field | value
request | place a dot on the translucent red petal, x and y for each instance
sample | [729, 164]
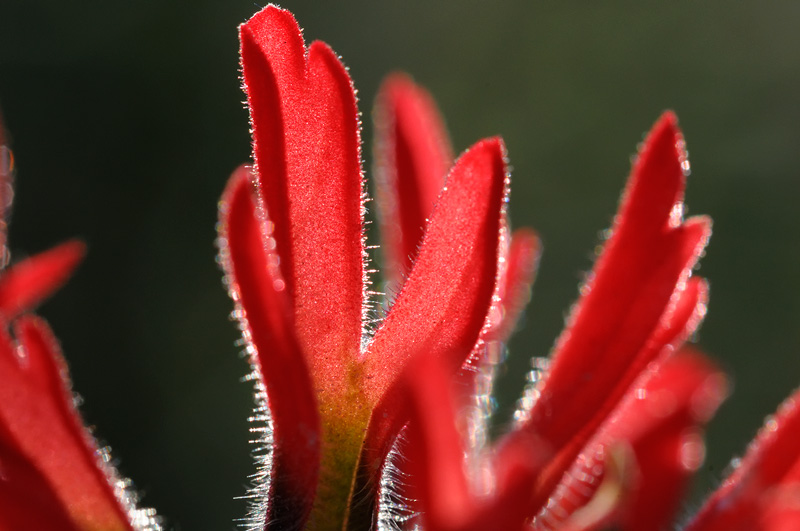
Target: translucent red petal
[44, 439]
[444, 302]
[630, 297]
[659, 423]
[447, 494]
[307, 154]
[414, 156]
[267, 320]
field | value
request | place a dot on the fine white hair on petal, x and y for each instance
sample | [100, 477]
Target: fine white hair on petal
[394, 508]
[257, 494]
[140, 518]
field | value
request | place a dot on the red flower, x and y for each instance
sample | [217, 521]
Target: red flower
[360, 416]
[292, 244]
[53, 477]
[363, 415]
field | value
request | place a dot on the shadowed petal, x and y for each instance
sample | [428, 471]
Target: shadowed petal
[659, 425]
[27, 500]
[256, 285]
[41, 431]
[514, 290]
[414, 156]
[447, 496]
[666, 436]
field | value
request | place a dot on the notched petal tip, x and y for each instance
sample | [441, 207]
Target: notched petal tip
[270, 21]
[306, 147]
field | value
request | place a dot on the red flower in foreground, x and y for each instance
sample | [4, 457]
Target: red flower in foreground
[375, 416]
[362, 419]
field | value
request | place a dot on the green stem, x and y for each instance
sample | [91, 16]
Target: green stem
[342, 438]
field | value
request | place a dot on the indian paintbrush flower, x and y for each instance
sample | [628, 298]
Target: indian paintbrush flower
[53, 476]
[371, 409]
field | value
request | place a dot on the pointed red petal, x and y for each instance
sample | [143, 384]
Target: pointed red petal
[660, 421]
[771, 464]
[515, 285]
[414, 155]
[606, 343]
[435, 450]
[256, 285]
[307, 152]
[444, 302]
[629, 290]
[27, 283]
[675, 326]
[42, 430]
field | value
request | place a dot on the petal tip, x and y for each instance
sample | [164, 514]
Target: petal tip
[270, 14]
[666, 132]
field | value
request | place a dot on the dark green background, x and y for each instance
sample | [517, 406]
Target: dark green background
[127, 118]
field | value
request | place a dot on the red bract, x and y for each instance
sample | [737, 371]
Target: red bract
[366, 421]
[292, 245]
[616, 416]
[53, 476]
[376, 417]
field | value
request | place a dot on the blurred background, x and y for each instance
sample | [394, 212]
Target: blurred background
[126, 119]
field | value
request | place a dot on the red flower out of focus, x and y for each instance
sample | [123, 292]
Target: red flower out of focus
[373, 414]
[53, 476]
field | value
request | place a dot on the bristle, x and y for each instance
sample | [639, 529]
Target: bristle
[141, 518]
[394, 508]
[257, 495]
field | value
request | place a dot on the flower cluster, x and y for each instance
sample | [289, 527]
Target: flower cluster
[372, 409]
